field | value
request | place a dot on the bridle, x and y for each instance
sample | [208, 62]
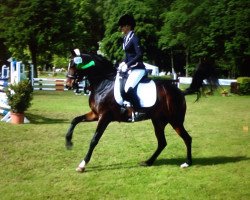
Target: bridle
[74, 68]
[71, 76]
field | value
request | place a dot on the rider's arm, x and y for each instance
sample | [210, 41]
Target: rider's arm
[138, 52]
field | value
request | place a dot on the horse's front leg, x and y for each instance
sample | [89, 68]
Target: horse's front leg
[88, 117]
[103, 122]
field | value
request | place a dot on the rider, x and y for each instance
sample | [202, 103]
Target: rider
[133, 59]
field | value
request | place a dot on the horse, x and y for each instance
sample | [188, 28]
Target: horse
[169, 108]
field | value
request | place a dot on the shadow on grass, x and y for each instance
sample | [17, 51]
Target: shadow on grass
[217, 160]
[175, 161]
[39, 119]
[112, 167]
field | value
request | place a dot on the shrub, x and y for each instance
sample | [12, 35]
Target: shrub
[244, 87]
[19, 96]
[165, 77]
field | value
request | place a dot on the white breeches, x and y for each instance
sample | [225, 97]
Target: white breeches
[134, 78]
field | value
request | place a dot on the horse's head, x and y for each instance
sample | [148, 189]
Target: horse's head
[85, 65]
[79, 66]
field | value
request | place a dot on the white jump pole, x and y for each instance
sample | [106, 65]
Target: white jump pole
[5, 72]
[12, 69]
[15, 71]
[32, 74]
[18, 72]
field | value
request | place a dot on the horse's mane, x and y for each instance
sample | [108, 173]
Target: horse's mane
[102, 60]
[102, 70]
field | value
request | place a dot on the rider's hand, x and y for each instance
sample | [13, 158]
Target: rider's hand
[120, 66]
[124, 68]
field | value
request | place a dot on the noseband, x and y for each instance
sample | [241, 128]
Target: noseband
[70, 76]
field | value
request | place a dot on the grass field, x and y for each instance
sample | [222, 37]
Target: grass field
[35, 164]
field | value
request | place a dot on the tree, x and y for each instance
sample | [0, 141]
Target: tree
[4, 54]
[235, 29]
[187, 29]
[183, 29]
[215, 29]
[147, 23]
[37, 26]
[88, 25]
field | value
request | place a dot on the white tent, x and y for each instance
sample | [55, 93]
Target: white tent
[152, 69]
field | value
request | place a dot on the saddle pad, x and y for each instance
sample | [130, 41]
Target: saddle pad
[145, 91]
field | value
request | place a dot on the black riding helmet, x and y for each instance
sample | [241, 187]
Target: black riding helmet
[127, 20]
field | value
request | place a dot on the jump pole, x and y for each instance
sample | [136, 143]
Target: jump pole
[5, 72]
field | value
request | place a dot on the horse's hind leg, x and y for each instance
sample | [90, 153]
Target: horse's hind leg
[83, 118]
[159, 127]
[188, 142]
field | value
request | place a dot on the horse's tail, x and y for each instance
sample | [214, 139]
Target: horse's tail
[205, 71]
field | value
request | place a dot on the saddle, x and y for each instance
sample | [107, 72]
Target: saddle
[145, 90]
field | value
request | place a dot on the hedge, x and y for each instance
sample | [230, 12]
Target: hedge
[244, 85]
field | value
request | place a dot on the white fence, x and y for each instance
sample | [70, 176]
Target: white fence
[50, 84]
[188, 80]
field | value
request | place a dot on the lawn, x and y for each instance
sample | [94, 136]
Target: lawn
[35, 164]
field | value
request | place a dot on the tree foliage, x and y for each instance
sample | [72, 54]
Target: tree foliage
[188, 29]
[216, 29]
[36, 25]
[87, 25]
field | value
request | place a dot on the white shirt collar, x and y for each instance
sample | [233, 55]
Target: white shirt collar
[128, 38]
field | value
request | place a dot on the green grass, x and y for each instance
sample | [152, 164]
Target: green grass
[35, 164]
[50, 74]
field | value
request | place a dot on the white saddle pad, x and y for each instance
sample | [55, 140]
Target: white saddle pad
[145, 91]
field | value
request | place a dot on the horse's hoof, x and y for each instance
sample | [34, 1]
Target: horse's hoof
[80, 169]
[184, 165]
[69, 145]
[145, 164]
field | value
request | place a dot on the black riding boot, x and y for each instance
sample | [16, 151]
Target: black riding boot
[134, 99]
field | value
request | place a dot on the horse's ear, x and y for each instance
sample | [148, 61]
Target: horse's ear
[72, 53]
[75, 52]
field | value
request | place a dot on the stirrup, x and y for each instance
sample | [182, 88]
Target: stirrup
[123, 109]
[137, 116]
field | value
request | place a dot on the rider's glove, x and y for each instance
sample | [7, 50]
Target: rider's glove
[124, 68]
[120, 66]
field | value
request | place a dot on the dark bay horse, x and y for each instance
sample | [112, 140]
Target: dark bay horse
[170, 106]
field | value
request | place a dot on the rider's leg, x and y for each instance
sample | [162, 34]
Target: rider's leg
[134, 98]
[133, 79]
[119, 93]
[135, 101]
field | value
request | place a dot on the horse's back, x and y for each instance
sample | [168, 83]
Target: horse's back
[171, 89]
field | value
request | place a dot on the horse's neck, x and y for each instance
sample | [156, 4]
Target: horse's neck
[102, 86]
[103, 75]
[100, 77]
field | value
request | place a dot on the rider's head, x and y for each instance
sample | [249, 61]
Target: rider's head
[126, 23]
